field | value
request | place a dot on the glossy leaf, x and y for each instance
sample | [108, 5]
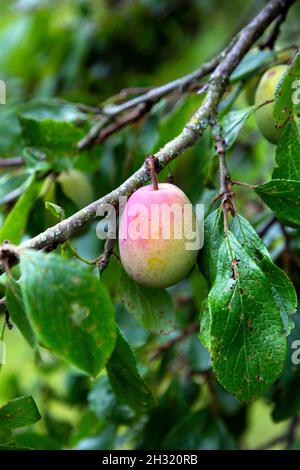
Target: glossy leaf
[247, 342]
[69, 309]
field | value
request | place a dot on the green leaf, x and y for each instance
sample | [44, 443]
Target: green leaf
[253, 61]
[55, 210]
[125, 379]
[213, 236]
[198, 431]
[283, 107]
[16, 310]
[247, 342]
[18, 413]
[15, 223]
[283, 197]
[106, 406]
[50, 134]
[233, 122]
[282, 289]
[288, 154]
[152, 308]
[69, 309]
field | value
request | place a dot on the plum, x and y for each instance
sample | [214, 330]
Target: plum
[154, 250]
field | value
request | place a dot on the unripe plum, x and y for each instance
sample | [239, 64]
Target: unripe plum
[266, 91]
[76, 185]
[152, 253]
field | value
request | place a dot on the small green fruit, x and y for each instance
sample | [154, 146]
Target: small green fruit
[77, 187]
[266, 91]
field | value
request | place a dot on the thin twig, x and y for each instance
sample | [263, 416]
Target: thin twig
[262, 232]
[242, 183]
[145, 101]
[270, 41]
[226, 193]
[123, 121]
[103, 261]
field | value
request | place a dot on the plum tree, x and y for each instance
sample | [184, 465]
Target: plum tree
[266, 91]
[153, 244]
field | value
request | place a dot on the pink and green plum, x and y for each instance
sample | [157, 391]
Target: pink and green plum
[155, 249]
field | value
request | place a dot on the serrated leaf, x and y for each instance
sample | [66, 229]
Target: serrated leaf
[125, 379]
[213, 236]
[50, 134]
[69, 309]
[16, 310]
[282, 289]
[152, 308]
[19, 413]
[15, 223]
[247, 342]
[288, 154]
[283, 197]
[283, 106]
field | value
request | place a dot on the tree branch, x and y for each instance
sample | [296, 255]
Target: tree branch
[270, 41]
[144, 102]
[217, 85]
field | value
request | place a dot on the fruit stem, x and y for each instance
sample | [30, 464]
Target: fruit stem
[150, 161]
